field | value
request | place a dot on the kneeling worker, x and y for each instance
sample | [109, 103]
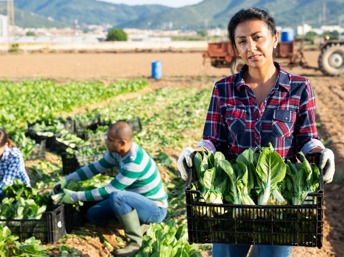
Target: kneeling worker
[135, 196]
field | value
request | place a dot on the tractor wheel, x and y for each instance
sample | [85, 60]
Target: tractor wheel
[236, 65]
[331, 60]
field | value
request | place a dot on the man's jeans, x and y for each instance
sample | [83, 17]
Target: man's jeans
[123, 202]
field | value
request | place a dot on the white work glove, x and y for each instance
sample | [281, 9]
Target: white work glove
[180, 163]
[326, 164]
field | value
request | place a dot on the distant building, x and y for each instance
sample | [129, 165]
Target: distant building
[3, 26]
[332, 28]
[305, 28]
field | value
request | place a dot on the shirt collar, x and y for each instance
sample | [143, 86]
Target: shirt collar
[283, 79]
[5, 154]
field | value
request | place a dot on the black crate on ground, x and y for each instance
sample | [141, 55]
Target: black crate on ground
[39, 138]
[255, 224]
[58, 147]
[94, 139]
[38, 152]
[91, 124]
[49, 229]
[75, 217]
[68, 124]
[72, 162]
[135, 124]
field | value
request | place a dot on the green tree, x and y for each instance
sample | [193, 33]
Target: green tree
[202, 32]
[310, 36]
[116, 34]
[30, 34]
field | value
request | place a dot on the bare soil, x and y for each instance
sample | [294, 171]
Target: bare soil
[187, 69]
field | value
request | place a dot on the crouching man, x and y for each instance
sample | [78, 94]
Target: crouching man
[136, 196]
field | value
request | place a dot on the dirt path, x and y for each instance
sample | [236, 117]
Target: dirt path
[186, 69]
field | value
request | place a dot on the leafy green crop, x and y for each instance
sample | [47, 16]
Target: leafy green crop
[302, 178]
[48, 99]
[262, 178]
[23, 202]
[9, 246]
[167, 239]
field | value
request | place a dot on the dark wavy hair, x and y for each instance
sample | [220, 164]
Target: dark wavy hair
[5, 139]
[249, 14]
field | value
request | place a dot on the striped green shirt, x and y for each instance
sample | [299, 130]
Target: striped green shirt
[137, 173]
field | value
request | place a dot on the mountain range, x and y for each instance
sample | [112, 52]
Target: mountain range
[204, 15]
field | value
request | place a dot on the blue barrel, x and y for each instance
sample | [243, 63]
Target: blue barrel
[156, 70]
[287, 36]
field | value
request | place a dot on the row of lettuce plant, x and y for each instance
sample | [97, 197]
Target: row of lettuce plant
[170, 117]
[45, 99]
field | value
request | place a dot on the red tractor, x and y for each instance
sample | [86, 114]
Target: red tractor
[330, 61]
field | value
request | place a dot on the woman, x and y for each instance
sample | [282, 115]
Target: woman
[11, 163]
[259, 105]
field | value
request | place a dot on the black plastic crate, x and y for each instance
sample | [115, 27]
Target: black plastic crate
[68, 124]
[135, 123]
[293, 225]
[76, 216]
[255, 224]
[38, 152]
[58, 147]
[94, 139]
[91, 124]
[72, 162]
[49, 229]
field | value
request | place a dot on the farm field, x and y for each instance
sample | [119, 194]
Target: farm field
[185, 79]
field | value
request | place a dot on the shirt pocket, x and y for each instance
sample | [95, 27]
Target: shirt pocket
[235, 119]
[283, 123]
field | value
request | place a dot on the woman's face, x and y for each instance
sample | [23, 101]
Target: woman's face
[255, 42]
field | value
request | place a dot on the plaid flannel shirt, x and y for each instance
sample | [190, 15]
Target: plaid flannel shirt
[286, 117]
[11, 167]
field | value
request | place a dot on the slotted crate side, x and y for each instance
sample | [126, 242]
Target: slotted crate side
[49, 229]
[38, 152]
[256, 224]
[72, 162]
[76, 216]
[135, 124]
[91, 124]
[68, 124]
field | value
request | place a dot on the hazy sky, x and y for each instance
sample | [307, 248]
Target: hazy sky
[170, 3]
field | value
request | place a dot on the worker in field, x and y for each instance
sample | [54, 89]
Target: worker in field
[11, 163]
[261, 104]
[136, 196]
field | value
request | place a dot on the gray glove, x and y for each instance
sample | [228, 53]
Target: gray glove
[180, 163]
[326, 164]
